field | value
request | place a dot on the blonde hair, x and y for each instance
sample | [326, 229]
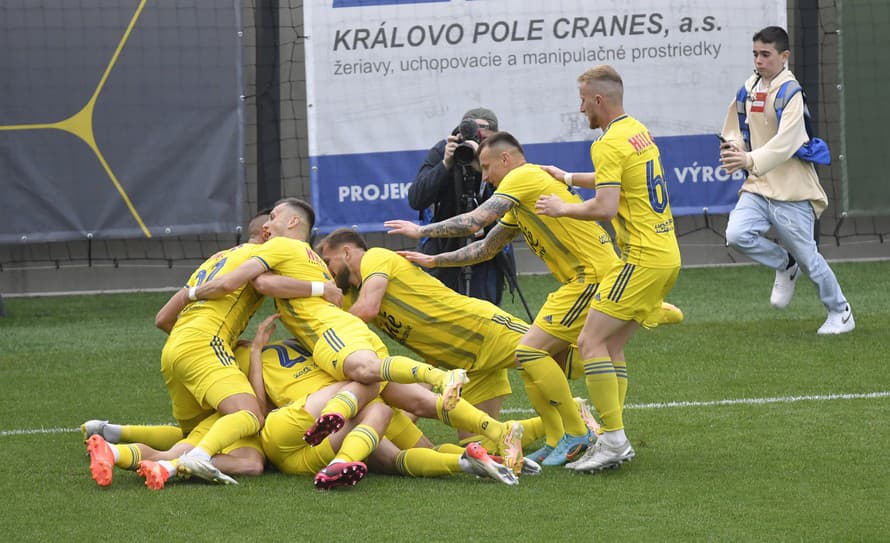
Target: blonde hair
[604, 80]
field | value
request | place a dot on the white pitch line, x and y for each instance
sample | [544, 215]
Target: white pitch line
[743, 401]
[658, 405]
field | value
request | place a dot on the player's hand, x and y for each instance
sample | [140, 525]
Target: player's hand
[556, 173]
[448, 160]
[332, 293]
[425, 260]
[264, 332]
[732, 159]
[406, 228]
[550, 205]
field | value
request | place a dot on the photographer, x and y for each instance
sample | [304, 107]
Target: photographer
[447, 186]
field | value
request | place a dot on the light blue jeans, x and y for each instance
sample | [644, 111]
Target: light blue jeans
[793, 222]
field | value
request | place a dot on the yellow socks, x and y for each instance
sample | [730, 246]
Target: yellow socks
[553, 386]
[402, 431]
[621, 374]
[343, 403]
[126, 456]
[450, 448]
[469, 419]
[401, 369]
[602, 386]
[229, 429]
[551, 421]
[157, 437]
[358, 444]
[427, 463]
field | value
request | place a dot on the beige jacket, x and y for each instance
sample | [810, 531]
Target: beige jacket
[777, 174]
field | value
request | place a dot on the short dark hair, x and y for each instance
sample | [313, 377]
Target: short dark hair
[775, 35]
[501, 139]
[300, 205]
[340, 237]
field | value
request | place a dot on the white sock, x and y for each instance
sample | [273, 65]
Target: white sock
[112, 433]
[614, 438]
[199, 453]
[167, 465]
[116, 454]
[465, 465]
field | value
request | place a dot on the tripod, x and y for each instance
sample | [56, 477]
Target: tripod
[504, 261]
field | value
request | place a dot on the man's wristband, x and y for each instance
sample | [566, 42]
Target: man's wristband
[317, 288]
[193, 293]
[568, 180]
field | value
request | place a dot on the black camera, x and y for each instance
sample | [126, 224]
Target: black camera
[467, 131]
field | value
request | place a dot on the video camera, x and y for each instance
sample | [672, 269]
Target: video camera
[468, 141]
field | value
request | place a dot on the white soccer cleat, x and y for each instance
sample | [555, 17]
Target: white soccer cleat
[783, 288]
[484, 465]
[838, 322]
[602, 456]
[189, 467]
[92, 428]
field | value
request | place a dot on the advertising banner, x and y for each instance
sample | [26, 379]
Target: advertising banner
[120, 119]
[387, 79]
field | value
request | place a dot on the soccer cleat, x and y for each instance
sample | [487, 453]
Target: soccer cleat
[101, 459]
[602, 456]
[838, 322]
[568, 445]
[587, 416]
[451, 388]
[340, 474]
[529, 466]
[189, 466]
[154, 473]
[783, 288]
[539, 455]
[484, 465]
[93, 427]
[510, 446]
[324, 426]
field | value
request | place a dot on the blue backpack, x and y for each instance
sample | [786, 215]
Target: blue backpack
[815, 150]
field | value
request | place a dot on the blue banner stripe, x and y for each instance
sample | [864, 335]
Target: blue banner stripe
[365, 189]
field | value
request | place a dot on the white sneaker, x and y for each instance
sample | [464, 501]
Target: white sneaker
[838, 322]
[602, 456]
[190, 466]
[783, 288]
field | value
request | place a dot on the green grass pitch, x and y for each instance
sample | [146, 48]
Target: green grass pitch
[747, 426]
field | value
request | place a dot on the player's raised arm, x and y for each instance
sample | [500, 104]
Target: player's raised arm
[477, 251]
[278, 286]
[602, 207]
[255, 372]
[465, 224]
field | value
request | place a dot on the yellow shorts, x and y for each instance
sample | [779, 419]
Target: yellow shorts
[485, 385]
[283, 445]
[630, 292]
[200, 372]
[565, 309]
[198, 433]
[340, 341]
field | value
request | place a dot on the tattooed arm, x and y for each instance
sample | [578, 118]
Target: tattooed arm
[478, 251]
[464, 224]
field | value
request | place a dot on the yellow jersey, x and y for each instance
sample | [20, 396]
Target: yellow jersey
[626, 156]
[573, 250]
[225, 317]
[289, 373]
[306, 318]
[442, 326]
